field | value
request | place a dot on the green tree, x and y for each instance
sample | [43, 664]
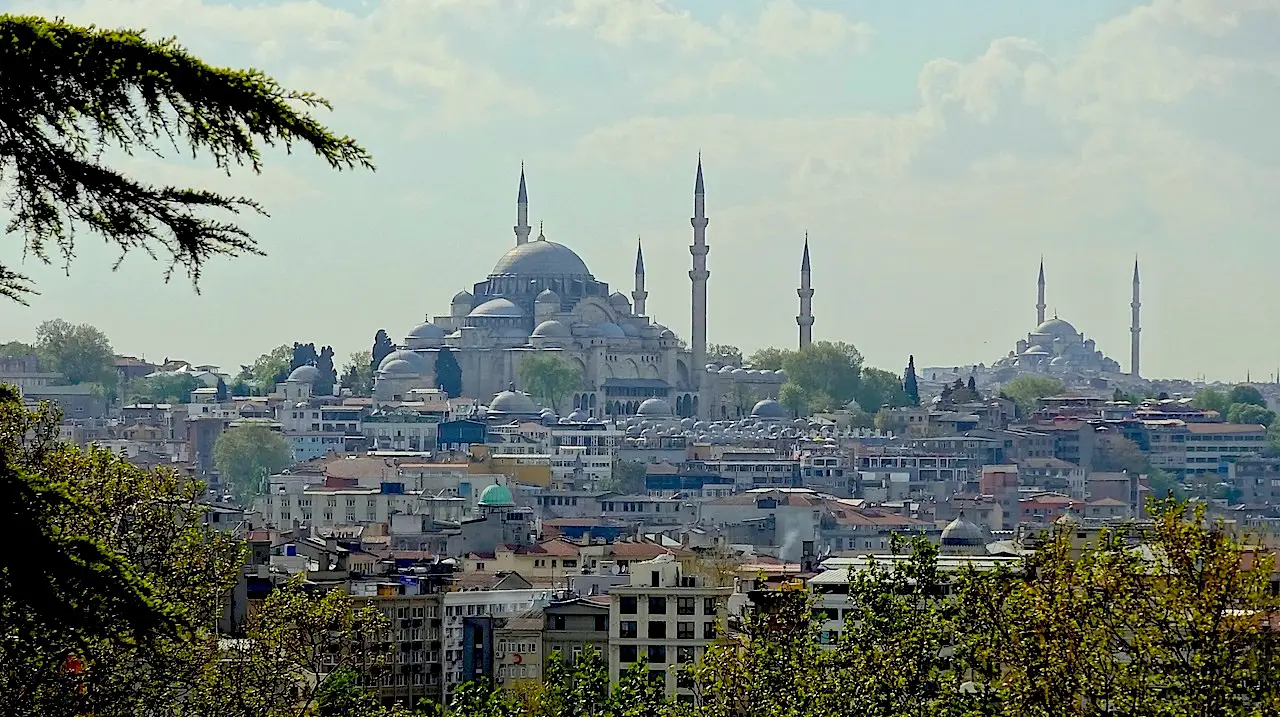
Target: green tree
[1025, 391]
[770, 358]
[1273, 436]
[627, 477]
[878, 388]
[69, 93]
[724, 354]
[1244, 393]
[793, 396]
[549, 378]
[357, 376]
[271, 368]
[16, 349]
[1115, 453]
[382, 347]
[829, 369]
[1208, 399]
[1164, 485]
[245, 454]
[449, 373]
[1250, 413]
[162, 388]
[910, 386]
[81, 352]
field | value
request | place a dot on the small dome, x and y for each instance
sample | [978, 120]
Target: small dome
[654, 408]
[578, 416]
[398, 367]
[415, 360]
[667, 334]
[547, 296]
[1036, 351]
[462, 297]
[1058, 361]
[426, 331]
[305, 374]
[497, 309]
[769, 410]
[725, 370]
[497, 496]
[619, 300]
[513, 402]
[739, 372]
[550, 329]
[780, 373]
[960, 533]
[610, 330]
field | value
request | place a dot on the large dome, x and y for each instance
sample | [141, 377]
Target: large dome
[305, 374]
[769, 410]
[540, 258]
[654, 408]
[513, 402]
[1057, 328]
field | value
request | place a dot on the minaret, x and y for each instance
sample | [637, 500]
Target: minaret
[698, 276]
[805, 319]
[1135, 326]
[639, 295]
[1040, 295]
[522, 212]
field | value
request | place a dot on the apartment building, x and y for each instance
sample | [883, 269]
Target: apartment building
[664, 619]
[1255, 480]
[1211, 446]
[414, 609]
[470, 620]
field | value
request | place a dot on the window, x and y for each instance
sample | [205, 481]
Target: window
[569, 563]
[686, 606]
[627, 605]
[657, 606]
[683, 680]
[602, 623]
[684, 630]
[656, 654]
[709, 630]
[657, 630]
[684, 655]
[627, 653]
[654, 576]
[627, 628]
[557, 622]
[709, 606]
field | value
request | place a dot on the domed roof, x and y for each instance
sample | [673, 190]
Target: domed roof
[497, 309]
[398, 367]
[960, 533]
[610, 330]
[619, 299]
[305, 374]
[654, 408]
[1036, 351]
[426, 331]
[462, 297]
[550, 329]
[415, 361]
[768, 409]
[497, 496]
[512, 402]
[1057, 328]
[540, 258]
[547, 296]
[578, 416]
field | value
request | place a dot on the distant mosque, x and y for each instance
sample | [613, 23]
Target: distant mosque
[541, 297]
[1055, 347]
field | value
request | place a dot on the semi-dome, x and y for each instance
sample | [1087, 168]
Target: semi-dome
[963, 534]
[426, 331]
[398, 367]
[512, 402]
[768, 410]
[497, 496]
[547, 296]
[654, 408]
[550, 329]
[610, 330]
[1057, 328]
[415, 361]
[497, 309]
[305, 374]
[540, 258]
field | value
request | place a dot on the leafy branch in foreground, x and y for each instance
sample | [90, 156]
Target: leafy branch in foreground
[67, 93]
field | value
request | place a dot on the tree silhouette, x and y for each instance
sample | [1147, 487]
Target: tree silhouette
[328, 374]
[909, 384]
[448, 373]
[382, 347]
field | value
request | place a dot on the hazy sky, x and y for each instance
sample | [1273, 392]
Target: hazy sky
[933, 151]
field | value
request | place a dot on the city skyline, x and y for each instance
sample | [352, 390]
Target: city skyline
[917, 178]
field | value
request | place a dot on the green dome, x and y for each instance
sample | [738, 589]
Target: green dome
[497, 495]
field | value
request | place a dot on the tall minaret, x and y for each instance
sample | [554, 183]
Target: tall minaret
[1135, 327]
[1040, 295]
[639, 295]
[698, 276]
[522, 212]
[805, 319]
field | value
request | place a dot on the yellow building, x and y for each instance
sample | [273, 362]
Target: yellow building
[525, 469]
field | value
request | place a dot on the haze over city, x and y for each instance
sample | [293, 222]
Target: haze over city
[932, 153]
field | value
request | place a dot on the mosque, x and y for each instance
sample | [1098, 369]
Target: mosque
[541, 297]
[1055, 347]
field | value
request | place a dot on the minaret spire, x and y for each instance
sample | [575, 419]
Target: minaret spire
[1135, 326]
[639, 295]
[1040, 295]
[805, 319]
[698, 277]
[522, 227]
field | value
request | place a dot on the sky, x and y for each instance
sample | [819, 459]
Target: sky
[932, 151]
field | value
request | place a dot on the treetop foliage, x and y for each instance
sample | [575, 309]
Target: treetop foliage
[69, 92]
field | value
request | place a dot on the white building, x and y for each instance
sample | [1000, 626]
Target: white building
[462, 604]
